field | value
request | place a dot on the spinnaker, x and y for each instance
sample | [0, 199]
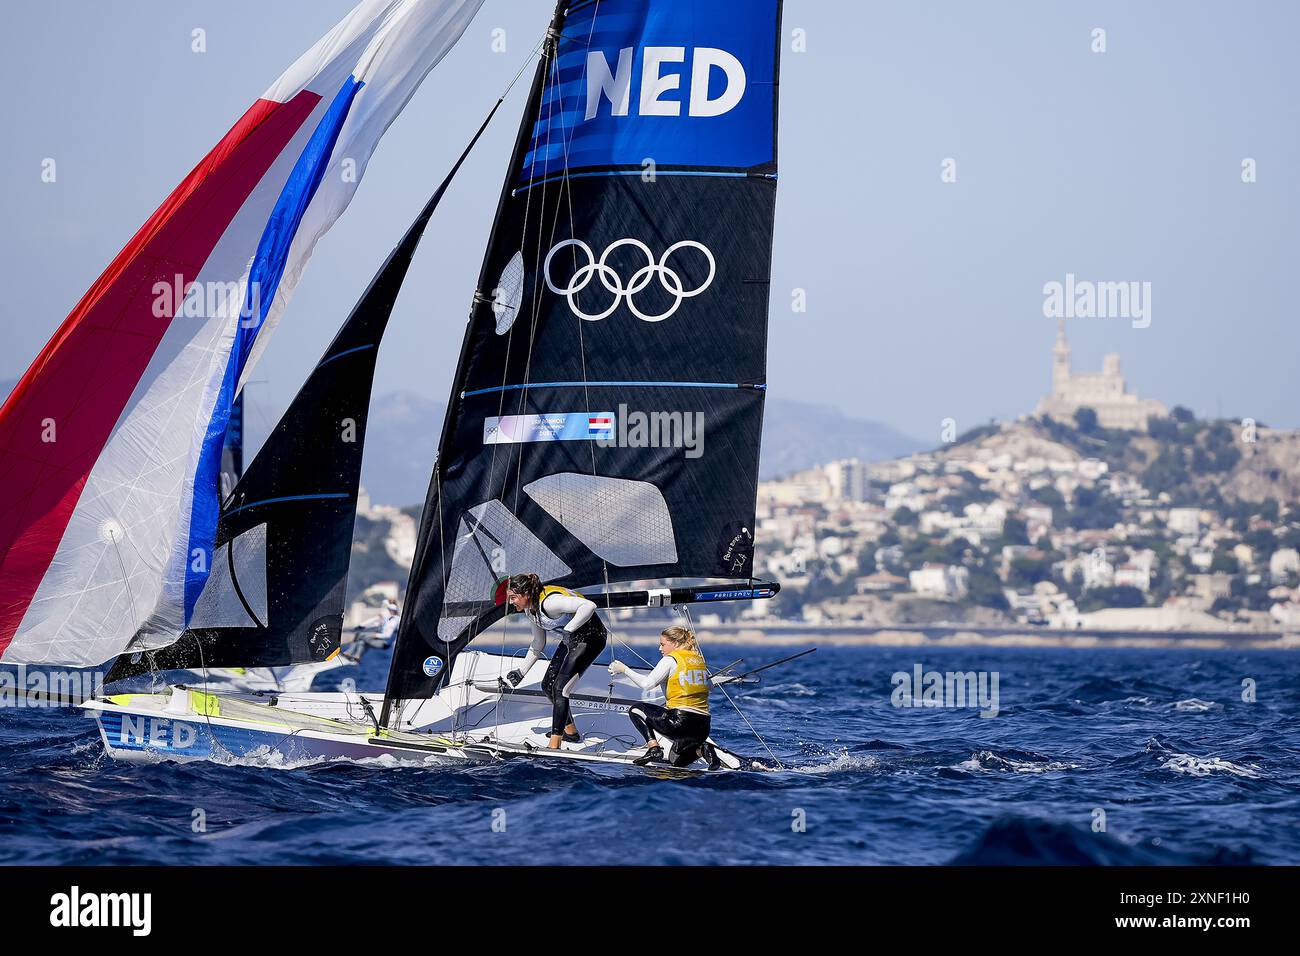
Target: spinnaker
[111, 443]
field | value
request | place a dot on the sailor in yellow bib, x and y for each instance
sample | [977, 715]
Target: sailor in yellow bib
[685, 720]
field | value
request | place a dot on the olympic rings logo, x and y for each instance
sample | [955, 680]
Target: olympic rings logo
[613, 282]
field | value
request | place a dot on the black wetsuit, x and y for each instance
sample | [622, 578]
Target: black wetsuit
[571, 658]
[686, 728]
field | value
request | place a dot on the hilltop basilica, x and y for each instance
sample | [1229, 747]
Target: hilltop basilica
[1104, 392]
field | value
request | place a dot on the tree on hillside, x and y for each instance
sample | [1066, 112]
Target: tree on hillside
[1262, 542]
[1015, 531]
[1122, 595]
[1026, 572]
[1094, 509]
[1048, 495]
[1163, 429]
[1290, 538]
[1224, 561]
[1167, 472]
[984, 589]
[1085, 419]
[905, 517]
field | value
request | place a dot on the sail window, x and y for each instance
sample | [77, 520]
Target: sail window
[621, 521]
[509, 293]
[490, 543]
[220, 604]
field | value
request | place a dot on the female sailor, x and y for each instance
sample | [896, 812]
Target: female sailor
[574, 620]
[685, 721]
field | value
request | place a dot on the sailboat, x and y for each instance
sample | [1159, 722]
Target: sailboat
[603, 428]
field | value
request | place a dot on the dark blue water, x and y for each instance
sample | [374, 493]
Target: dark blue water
[1184, 770]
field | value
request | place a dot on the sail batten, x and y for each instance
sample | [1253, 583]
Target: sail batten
[605, 417]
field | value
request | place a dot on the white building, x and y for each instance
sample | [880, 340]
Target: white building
[1185, 520]
[1097, 571]
[945, 581]
[804, 487]
[848, 479]
[1288, 615]
[1283, 562]
[904, 494]
[1134, 576]
[1038, 514]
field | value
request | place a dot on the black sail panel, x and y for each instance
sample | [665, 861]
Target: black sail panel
[278, 579]
[604, 423]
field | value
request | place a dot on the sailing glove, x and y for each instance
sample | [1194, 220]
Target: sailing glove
[514, 677]
[618, 667]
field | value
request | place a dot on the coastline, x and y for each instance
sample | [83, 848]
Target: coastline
[794, 635]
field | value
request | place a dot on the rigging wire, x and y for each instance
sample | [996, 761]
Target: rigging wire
[582, 342]
[437, 466]
[566, 186]
[686, 614]
[541, 49]
[548, 51]
[565, 195]
[112, 536]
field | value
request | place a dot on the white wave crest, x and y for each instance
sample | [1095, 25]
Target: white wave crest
[1204, 766]
[987, 760]
[840, 763]
[1197, 706]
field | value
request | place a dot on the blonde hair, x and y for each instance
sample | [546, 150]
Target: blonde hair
[683, 637]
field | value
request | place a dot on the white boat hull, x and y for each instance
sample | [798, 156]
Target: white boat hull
[470, 719]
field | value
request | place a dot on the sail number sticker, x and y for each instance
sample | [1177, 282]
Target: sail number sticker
[550, 426]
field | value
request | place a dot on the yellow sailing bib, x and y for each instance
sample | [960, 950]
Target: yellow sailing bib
[688, 685]
[545, 620]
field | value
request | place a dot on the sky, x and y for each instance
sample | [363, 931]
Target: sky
[924, 297]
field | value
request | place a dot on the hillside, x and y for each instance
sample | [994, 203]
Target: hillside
[1197, 463]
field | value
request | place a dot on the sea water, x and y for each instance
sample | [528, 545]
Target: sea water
[1092, 756]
